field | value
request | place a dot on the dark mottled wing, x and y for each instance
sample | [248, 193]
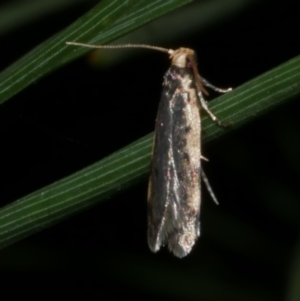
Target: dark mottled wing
[174, 188]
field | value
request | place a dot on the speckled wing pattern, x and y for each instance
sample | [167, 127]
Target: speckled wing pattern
[174, 192]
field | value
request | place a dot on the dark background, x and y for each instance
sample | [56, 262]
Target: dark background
[81, 113]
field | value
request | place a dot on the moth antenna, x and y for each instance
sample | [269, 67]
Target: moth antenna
[196, 75]
[169, 51]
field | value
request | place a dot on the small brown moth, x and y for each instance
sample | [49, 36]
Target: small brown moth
[174, 192]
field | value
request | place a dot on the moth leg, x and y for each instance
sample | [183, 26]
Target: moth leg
[208, 187]
[203, 158]
[211, 115]
[209, 85]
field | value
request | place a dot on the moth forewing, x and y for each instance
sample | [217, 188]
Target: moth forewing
[175, 181]
[174, 191]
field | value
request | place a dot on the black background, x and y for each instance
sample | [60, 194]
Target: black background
[80, 114]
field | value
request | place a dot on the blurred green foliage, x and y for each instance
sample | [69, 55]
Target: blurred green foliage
[248, 248]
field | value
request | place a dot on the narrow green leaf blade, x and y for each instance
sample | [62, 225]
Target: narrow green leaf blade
[107, 21]
[102, 180]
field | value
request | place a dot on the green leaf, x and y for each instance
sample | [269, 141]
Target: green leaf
[102, 180]
[104, 23]
[107, 21]
[15, 15]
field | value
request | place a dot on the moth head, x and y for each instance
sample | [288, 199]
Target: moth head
[183, 57]
[187, 58]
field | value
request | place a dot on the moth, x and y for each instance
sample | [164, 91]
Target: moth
[174, 191]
